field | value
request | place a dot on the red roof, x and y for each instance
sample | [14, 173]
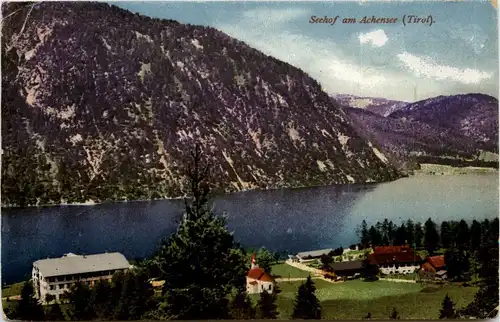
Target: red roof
[390, 249]
[393, 258]
[437, 261]
[259, 274]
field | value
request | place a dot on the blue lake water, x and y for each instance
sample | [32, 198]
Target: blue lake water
[290, 220]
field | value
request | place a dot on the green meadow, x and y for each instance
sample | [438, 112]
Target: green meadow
[354, 299]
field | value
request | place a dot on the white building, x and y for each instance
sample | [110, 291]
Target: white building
[54, 276]
[398, 262]
[258, 280]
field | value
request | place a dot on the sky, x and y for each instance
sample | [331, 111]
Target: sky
[457, 54]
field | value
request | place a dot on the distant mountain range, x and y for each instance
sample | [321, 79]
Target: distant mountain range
[100, 104]
[375, 105]
[457, 129]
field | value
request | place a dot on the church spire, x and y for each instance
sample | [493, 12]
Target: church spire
[254, 264]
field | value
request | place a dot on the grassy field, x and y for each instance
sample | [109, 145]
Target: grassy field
[287, 271]
[11, 290]
[354, 299]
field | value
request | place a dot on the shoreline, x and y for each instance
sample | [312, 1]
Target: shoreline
[424, 171]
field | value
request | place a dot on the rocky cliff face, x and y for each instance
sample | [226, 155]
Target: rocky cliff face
[102, 104]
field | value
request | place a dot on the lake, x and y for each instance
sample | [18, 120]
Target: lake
[289, 220]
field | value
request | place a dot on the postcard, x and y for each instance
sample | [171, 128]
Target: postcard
[229, 160]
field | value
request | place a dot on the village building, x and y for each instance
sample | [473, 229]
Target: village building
[399, 261]
[305, 257]
[434, 267]
[258, 280]
[349, 269]
[54, 276]
[391, 249]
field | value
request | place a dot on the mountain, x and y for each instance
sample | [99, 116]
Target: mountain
[405, 143]
[101, 104]
[375, 105]
[474, 116]
[456, 130]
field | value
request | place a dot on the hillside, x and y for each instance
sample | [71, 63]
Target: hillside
[474, 116]
[102, 104]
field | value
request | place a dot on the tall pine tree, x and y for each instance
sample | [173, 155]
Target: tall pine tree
[486, 299]
[28, 308]
[431, 236]
[241, 307]
[266, 306]
[200, 263]
[307, 305]
[54, 313]
[394, 315]
[448, 309]
[81, 309]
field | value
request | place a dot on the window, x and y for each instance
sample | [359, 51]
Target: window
[52, 287]
[61, 286]
[270, 286]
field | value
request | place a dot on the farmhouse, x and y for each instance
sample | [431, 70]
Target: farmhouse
[434, 267]
[312, 255]
[349, 269]
[391, 249]
[54, 276]
[402, 262]
[258, 280]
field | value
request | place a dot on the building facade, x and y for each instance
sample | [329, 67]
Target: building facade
[400, 261]
[53, 277]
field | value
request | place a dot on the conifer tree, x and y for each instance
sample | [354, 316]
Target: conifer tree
[136, 296]
[54, 313]
[28, 308]
[241, 307]
[394, 315]
[431, 236]
[487, 298]
[307, 305]
[79, 296]
[448, 309]
[266, 306]
[100, 300]
[200, 263]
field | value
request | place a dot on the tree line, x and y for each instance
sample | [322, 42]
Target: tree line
[204, 271]
[429, 236]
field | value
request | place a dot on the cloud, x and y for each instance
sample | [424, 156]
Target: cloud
[377, 38]
[426, 67]
[340, 67]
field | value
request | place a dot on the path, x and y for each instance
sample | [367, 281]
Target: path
[397, 280]
[318, 274]
[292, 279]
[305, 267]
[13, 298]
